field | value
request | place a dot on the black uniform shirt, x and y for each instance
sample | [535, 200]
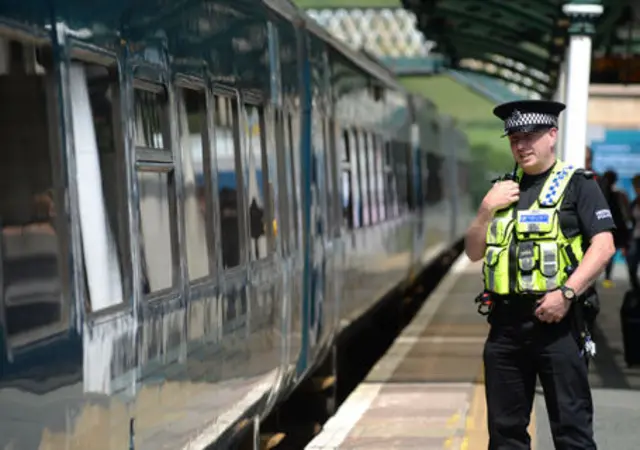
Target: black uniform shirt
[584, 209]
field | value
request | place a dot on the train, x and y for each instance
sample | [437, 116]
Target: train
[198, 198]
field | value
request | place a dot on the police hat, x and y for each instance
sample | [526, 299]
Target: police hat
[528, 115]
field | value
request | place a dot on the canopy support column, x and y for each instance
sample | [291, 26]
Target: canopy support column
[582, 14]
[561, 96]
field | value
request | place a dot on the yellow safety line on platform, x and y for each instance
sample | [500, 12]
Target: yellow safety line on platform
[476, 434]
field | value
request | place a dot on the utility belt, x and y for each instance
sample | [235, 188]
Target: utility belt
[516, 305]
[516, 308]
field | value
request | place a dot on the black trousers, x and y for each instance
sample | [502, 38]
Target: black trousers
[518, 348]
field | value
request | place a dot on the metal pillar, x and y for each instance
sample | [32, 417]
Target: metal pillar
[561, 96]
[582, 14]
[5, 60]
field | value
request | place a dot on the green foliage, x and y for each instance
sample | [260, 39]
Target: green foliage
[486, 164]
[490, 154]
[454, 99]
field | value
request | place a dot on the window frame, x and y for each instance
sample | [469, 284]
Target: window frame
[284, 188]
[375, 168]
[294, 172]
[183, 83]
[67, 244]
[370, 167]
[87, 55]
[390, 183]
[163, 161]
[348, 166]
[233, 96]
[334, 170]
[360, 166]
[256, 101]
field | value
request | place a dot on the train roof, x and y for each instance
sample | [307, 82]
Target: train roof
[367, 63]
[104, 20]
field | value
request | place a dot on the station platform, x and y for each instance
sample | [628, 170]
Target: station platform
[427, 391]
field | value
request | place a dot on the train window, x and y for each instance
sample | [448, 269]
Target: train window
[101, 183]
[463, 178]
[327, 176]
[269, 136]
[332, 179]
[425, 191]
[148, 116]
[156, 190]
[291, 137]
[361, 152]
[257, 172]
[329, 158]
[365, 174]
[391, 192]
[284, 188]
[358, 199]
[434, 183]
[318, 188]
[371, 154]
[229, 179]
[348, 213]
[195, 168]
[35, 236]
[400, 157]
[378, 145]
[412, 175]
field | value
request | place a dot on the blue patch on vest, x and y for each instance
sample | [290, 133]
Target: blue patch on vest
[534, 218]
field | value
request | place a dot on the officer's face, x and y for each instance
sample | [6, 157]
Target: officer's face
[533, 151]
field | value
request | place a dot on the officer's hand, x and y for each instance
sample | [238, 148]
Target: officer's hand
[552, 307]
[501, 195]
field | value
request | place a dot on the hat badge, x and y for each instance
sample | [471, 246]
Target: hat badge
[516, 115]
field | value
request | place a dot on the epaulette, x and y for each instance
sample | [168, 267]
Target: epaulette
[588, 174]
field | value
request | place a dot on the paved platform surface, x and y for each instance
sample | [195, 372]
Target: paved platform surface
[427, 391]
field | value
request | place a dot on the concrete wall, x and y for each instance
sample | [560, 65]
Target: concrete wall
[614, 106]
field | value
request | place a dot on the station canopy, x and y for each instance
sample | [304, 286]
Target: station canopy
[526, 36]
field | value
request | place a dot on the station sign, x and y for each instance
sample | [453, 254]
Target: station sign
[618, 150]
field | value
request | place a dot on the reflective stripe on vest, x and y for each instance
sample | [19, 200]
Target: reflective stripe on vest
[526, 251]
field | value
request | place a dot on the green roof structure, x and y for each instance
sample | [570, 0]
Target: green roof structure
[532, 32]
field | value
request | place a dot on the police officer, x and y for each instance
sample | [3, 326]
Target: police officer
[545, 237]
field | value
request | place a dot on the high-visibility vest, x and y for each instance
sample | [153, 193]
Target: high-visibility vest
[526, 251]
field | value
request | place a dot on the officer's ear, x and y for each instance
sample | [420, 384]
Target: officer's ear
[553, 134]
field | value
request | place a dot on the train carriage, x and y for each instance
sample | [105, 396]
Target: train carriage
[198, 197]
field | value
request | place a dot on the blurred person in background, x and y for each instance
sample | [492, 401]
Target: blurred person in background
[633, 252]
[621, 213]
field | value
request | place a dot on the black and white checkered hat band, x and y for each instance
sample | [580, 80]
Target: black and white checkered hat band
[521, 120]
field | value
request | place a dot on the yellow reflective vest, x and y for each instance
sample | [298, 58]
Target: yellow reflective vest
[526, 251]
